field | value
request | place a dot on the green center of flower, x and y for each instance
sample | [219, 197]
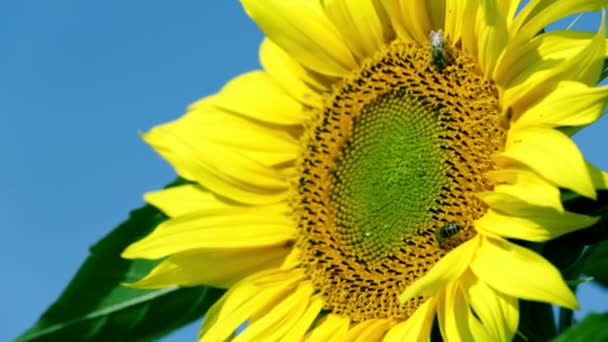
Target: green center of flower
[390, 173]
[388, 176]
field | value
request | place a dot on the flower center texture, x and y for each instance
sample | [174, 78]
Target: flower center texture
[388, 174]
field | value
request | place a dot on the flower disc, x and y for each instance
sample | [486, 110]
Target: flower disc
[395, 157]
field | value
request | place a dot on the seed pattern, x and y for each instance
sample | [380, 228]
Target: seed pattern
[459, 107]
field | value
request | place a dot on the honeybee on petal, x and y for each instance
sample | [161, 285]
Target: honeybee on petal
[444, 233]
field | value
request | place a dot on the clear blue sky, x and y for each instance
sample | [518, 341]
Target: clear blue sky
[78, 80]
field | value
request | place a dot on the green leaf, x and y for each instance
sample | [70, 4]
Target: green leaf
[595, 263]
[592, 328]
[96, 307]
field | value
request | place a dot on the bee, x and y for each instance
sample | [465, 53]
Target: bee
[448, 230]
[439, 57]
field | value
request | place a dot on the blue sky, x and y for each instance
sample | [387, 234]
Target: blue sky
[78, 81]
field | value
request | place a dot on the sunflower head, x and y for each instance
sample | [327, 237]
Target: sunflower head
[371, 176]
[395, 158]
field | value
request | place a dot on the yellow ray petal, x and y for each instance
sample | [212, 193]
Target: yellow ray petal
[599, 177]
[370, 330]
[184, 199]
[460, 23]
[221, 228]
[217, 126]
[493, 35]
[447, 269]
[453, 314]
[436, 11]
[212, 315]
[513, 204]
[509, 7]
[331, 327]
[290, 75]
[219, 268]
[478, 330]
[296, 333]
[552, 155]
[256, 95]
[246, 299]
[526, 186]
[416, 19]
[454, 17]
[498, 312]
[217, 167]
[268, 144]
[293, 259]
[393, 9]
[302, 29]
[271, 325]
[536, 224]
[539, 13]
[417, 327]
[539, 79]
[570, 104]
[513, 276]
[541, 53]
[360, 23]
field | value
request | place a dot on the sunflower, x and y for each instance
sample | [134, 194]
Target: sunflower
[374, 175]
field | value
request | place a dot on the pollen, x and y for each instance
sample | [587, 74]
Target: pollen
[397, 154]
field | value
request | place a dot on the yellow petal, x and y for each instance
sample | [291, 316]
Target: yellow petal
[436, 10]
[552, 155]
[296, 333]
[212, 315]
[268, 144]
[539, 79]
[370, 330]
[220, 228]
[417, 327]
[446, 270]
[220, 169]
[599, 177]
[457, 13]
[589, 68]
[271, 325]
[184, 199]
[393, 9]
[541, 54]
[293, 259]
[493, 35]
[453, 314]
[538, 14]
[332, 327]
[218, 268]
[498, 312]
[416, 19]
[302, 29]
[246, 299]
[478, 331]
[258, 96]
[509, 7]
[514, 205]
[507, 268]
[293, 78]
[360, 24]
[536, 224]
[526, 186]
[570, 104]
